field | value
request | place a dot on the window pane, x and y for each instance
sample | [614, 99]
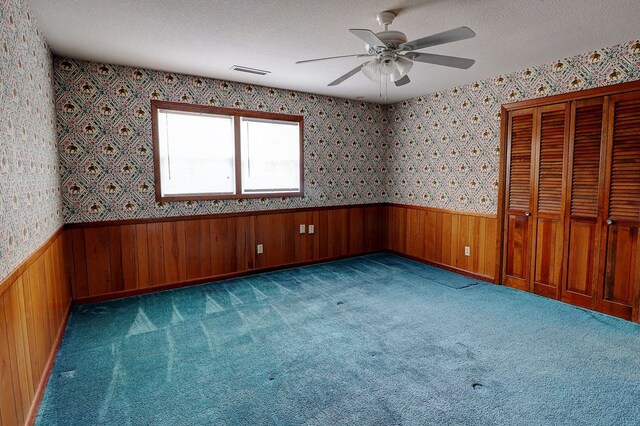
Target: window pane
[196, 153]
[270, 156]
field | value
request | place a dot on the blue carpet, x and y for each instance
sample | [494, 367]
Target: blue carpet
[372, 340]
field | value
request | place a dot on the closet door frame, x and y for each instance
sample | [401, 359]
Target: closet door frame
[504, 137]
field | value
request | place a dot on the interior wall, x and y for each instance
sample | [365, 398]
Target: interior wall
[35, 293]
[30, 205]
[439, 150]
[104, 129]
[463, 242]
[444, 148]
[34, 307]
[124, 258]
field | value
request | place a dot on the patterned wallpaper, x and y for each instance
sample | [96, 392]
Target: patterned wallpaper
[439, 150]
[105, 146]
[444, 147]
[30, 206]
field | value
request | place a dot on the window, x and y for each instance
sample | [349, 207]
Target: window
[270, 155]
[203, 152]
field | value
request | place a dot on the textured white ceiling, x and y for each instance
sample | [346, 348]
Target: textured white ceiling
[207, 37]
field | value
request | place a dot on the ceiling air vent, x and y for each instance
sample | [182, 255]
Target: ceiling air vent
[249, 70]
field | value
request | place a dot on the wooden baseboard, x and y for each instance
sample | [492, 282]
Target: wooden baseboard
[214, 278]
[220, 277]
[443, 266]
[44, 379]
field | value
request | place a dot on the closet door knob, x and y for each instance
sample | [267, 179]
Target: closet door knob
[609, 221]
[527, 214]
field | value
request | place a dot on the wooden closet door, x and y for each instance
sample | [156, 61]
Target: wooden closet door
[549, 189]
[620, 283]
[587, 138]
[517, 226]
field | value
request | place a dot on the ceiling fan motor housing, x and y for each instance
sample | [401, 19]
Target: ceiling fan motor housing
[392, 38]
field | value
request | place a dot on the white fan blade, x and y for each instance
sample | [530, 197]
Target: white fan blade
[332, 57]
[404, 80]
[368, 37]
[346, 76]
[457, 34]
[447, 61]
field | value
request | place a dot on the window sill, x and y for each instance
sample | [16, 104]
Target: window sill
[206, 197]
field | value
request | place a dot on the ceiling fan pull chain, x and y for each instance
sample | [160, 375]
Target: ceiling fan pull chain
[386, 87]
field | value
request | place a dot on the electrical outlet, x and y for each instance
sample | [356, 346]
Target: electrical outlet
[260, 249]
[467, 251]
[312, 229]
[302, 228]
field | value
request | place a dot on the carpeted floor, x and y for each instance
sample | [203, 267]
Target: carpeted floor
[372, 340]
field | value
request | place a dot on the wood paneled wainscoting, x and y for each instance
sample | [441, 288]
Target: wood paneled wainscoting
[124, 258]
[439, 237]
[34, 306]
[116, 259]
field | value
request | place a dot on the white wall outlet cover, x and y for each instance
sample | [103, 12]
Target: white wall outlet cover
[467, 251]
[302, 229]
[260, 248]
[312, 229]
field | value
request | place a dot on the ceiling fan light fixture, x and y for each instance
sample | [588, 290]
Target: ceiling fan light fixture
[404, 65]
[396, 75]
[387, 66]
[402, 68]
[393, 55]
[372, 70]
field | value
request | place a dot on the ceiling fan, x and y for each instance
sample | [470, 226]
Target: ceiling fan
[394, 56]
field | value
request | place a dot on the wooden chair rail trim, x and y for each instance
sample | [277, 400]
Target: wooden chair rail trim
[206, 280]
[440, 210]
[8, 281]
[78, 225]
[44, 378]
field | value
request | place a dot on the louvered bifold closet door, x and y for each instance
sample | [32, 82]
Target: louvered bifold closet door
[586, 155]
[620, 286]
[549, 190]
[517, 226]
